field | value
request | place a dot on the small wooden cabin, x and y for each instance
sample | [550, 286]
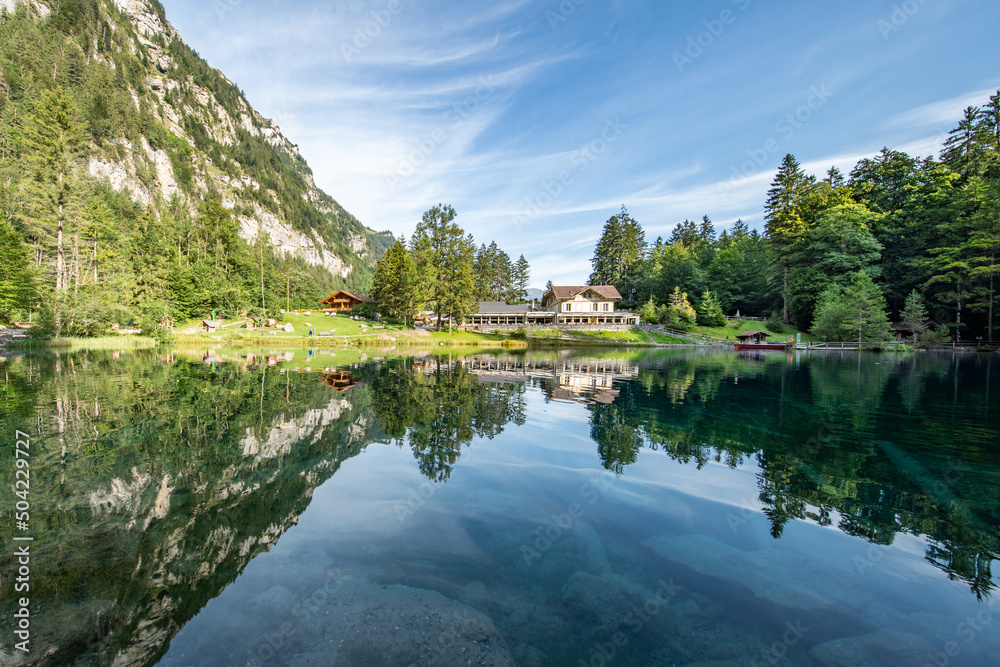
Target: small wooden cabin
[754, 337]
[209, 326]
[343, 301]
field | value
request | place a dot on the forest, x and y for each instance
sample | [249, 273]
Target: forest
[80, 87]
[905, 238]
[443, 271]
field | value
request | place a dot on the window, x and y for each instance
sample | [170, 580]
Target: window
[605, 307]
[595, 306]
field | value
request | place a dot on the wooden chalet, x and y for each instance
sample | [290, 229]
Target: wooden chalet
[209, 326]
[586, 304]
[754, 337]
[343, 301]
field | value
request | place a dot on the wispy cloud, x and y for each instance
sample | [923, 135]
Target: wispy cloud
[948, 111]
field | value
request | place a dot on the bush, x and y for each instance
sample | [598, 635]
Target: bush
[774, 323]
[519, 334]
[933, 338]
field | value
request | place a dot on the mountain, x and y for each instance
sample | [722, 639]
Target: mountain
[143, 182]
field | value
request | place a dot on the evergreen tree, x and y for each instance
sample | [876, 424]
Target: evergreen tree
[444, 260]
[710, 312]
[17, 284]
[983, 243]
[53, 138]
[914, 315]
[867, 309]
[620, 254]
[387, 283]
[522, 279]
[784, 221]
[679, 310]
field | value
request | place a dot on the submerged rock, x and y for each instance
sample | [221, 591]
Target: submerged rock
[885, 647]
[354, 621]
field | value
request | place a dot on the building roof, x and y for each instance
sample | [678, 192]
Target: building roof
[501, 307]
[210, 323]
[751, 334]
[562, 293]
[358, 297]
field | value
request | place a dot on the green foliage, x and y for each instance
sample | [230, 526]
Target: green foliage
[75, 87]
[17, 282]
[774, 323]
[620, 254]
[857, 312]
[914, 315]
[710, 312]
[649, 312]
[679, 312]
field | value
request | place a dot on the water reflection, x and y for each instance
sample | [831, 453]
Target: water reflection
[157, 478]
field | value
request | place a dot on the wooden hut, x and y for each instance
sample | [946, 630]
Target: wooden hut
[754, 337]
[209, 326]
[342, 301]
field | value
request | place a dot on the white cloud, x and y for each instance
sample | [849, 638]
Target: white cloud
[943, 112]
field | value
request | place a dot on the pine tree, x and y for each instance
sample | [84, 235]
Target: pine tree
[914, 315]
[444, 260]
[867, 309]
[783, 215]
[710, 311]
[53, 137]
[522, 279]
[620, 254]
[17, 284]
[386, 282]
[679, 309]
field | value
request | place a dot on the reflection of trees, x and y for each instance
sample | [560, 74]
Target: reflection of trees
[154, 482]
[812, 432]
[437, 407]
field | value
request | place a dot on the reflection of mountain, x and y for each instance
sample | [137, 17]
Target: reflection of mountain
[156, 482]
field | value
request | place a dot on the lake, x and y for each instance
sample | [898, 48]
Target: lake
[587, 507]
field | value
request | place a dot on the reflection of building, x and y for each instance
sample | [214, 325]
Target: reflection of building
[340, 380]
[580, 379]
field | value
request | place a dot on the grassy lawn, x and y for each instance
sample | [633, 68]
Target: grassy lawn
[342, 329]
[735, 327]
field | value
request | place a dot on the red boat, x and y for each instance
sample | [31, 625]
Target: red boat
[757, 340]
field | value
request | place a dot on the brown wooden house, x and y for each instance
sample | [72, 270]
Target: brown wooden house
[342, 301]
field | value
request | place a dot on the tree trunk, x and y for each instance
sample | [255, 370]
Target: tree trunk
[784, 297]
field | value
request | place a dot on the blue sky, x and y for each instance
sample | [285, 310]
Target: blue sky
[538, 119]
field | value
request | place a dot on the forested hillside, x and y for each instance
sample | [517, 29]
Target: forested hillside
[921, 230]
[137, 183]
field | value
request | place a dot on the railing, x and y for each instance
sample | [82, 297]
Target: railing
[849, 345]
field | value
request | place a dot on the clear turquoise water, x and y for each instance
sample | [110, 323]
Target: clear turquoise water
[678, 508]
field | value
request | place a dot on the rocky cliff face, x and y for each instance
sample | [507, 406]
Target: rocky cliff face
[213, 120]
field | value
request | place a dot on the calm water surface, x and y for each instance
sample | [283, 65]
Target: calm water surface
[603, 508]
